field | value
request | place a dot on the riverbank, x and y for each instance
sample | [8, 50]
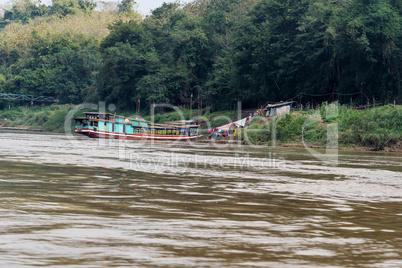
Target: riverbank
[38, 119]
[374, 129]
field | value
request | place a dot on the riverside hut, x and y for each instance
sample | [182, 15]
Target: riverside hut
[275, 109]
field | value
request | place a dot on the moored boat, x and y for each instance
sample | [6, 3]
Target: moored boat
[107, 125]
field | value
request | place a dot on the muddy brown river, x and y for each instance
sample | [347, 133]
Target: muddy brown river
[104, 203]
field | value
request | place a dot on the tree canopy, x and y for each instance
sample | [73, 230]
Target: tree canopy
[221, 51]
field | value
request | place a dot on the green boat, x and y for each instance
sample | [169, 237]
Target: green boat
[107, 125]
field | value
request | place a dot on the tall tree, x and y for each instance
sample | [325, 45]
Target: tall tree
[126, 6]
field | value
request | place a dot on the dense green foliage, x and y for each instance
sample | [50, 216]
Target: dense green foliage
[210, 53]
[270, 50]
[24, 11]
[55, 54]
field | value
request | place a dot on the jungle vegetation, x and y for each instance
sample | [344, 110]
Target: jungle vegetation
[214, 53]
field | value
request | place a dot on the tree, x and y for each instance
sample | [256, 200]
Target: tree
[126, 6]
[128, 55]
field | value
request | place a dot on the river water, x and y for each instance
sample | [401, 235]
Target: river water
[106, 203]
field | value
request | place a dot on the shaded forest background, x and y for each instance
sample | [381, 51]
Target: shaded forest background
[213, 53]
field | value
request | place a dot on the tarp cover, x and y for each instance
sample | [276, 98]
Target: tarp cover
[225, 127]
[241, 123]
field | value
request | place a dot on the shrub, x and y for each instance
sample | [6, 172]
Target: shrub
[56, 121]
[258, 133]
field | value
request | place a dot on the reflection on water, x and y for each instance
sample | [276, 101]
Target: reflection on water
[95, 205]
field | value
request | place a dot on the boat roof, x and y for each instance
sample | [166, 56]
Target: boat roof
[167, 125]
[130, 118]
[181, 122]
[101, 113]
[97, 113]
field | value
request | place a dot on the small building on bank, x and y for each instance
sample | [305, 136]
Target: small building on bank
[272, 110]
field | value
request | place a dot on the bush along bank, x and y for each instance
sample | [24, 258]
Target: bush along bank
[47, 118]
[332, 126]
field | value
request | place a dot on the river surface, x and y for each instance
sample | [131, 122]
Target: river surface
[103, 203]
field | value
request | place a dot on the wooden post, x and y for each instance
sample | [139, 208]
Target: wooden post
[373, 102]
[198, 100]
[394, 104]
[139, 105]
[201, 112]
[300, 101]
[191, 106]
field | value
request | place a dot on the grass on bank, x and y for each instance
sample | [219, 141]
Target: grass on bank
[47, 118]
[377, 128]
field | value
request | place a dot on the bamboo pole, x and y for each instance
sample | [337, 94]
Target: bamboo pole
[191, 106]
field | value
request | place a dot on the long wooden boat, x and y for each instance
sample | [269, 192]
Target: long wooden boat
[107, 125]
